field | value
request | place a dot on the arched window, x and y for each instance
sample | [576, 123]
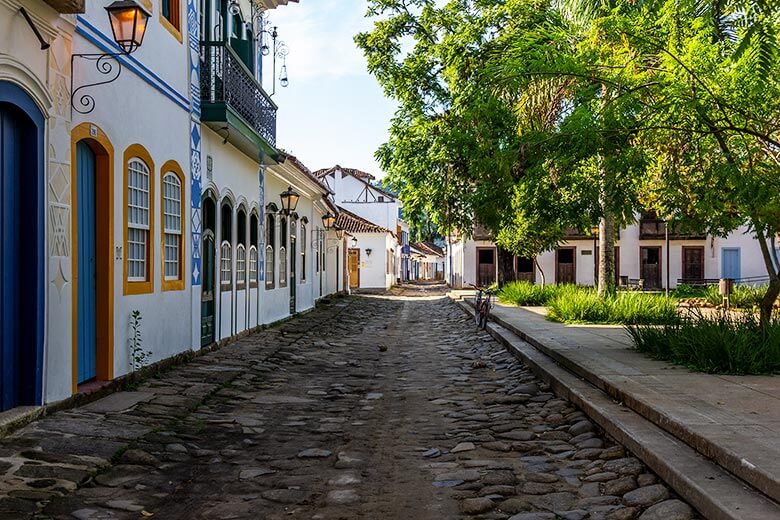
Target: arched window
[138, 221]
[283, 252]
[226, 247]
[241, 249]
[240, 266]
[225, 266]
[253, 266]
[316, 246]
[172, 231]
[254, 225]
[270, 250]
[303, 252]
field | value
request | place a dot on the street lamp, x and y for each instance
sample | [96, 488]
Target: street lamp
[289, 200]
[328, 221]
[353, 242]
[594, 230]
[128, 24]
[339, 233]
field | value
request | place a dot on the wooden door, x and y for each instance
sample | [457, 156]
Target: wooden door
[21, 303]
[486, 267]
[566, 265]
[730, 263]
[354, 268]
[650, 269]
[86, 326]
[693, 263]
[293, 266]
[207, 303]
[524, 268]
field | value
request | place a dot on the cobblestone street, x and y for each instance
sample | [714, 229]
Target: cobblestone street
[374, 407]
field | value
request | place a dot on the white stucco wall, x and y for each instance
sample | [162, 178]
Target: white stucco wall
[147, 105]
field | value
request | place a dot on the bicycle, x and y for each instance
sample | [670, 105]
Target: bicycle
[482, 306]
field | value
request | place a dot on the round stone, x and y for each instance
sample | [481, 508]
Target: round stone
[646, 496]
[668, 510]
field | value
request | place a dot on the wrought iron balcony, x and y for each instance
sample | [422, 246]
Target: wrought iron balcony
[655, 229]
[227, 87]
[576, 234]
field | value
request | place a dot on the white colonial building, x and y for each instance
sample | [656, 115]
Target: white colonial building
[643, 257]
[379, 253]
[140, 174]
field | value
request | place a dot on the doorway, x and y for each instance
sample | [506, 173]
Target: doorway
[354, 268]
[525, 269]
[730, 263]
[650, 269]
[293, 264]
[21, 248]
[566, 265]
[86, 172]
[209, 252]
[93, 255]
[693, 263]
[486, 266]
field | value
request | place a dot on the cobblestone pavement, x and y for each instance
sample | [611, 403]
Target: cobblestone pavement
[368, 408]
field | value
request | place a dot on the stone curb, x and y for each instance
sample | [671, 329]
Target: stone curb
[729, 460]
[714, 492]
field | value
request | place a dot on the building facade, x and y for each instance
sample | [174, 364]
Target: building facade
[643, 258]
[144, 183]
[378, 258]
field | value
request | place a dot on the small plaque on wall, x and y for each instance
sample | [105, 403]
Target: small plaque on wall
[587, 252]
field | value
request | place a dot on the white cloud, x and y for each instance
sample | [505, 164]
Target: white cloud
[319, 35]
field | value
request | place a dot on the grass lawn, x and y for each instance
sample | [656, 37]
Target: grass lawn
[574, 304]
[715, 342]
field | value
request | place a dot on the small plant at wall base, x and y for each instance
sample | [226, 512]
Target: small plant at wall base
[138, 356]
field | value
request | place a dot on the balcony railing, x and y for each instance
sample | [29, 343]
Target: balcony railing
[225, 80]
[655, 229]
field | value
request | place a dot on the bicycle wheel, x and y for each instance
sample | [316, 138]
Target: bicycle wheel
[481, 318]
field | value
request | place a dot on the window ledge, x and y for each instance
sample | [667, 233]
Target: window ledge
[138, 288]
[173, 285]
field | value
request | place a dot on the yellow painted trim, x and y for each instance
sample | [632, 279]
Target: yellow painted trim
[104, 191]
[145, 287]
[172, 285]
[171, 28]
[147, 4]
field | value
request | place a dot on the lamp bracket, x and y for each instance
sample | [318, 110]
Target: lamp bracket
[107, 64]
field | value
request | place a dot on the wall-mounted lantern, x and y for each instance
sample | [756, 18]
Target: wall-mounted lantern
[328, 221]
[128, 23]
[289, 200]
[339, 233]
[368, 251]
[353, 242]
[129, 20]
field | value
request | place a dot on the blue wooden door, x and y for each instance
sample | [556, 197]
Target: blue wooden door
[730, 263]
[85, 200]
[10, 355]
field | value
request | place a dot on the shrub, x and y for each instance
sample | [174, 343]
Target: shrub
[526, 293]
[580, 305]
[723, 343]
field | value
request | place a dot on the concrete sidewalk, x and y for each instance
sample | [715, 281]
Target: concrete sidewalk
[734, 420]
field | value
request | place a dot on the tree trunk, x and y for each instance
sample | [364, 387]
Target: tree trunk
[768, 302]
[506, 266]
[541, 273]
[606, 256]
[770, 262]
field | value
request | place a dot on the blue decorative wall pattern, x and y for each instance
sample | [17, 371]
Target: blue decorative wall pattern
[193, 29]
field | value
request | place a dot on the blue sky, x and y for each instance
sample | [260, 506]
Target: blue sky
[333, 111]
